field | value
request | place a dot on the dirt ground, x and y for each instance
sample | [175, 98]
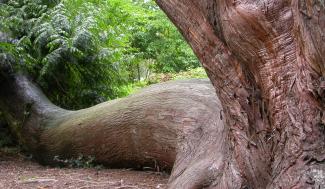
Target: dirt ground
[18, 173]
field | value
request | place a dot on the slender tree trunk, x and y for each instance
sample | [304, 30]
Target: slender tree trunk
[266, 60]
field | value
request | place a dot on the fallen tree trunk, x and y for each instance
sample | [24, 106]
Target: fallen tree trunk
[151, 128]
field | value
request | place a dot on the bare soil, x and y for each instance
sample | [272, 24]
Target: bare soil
[18, 173]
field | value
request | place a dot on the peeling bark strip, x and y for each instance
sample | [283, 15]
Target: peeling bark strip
[266, 60]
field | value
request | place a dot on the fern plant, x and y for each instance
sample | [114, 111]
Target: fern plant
[61, 51]
[71, 55]
[82, 52]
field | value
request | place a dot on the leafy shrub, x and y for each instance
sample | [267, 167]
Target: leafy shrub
[61, 51]
[160, 41]
[82, 52]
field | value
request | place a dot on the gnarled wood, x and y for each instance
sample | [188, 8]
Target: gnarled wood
[265, 59]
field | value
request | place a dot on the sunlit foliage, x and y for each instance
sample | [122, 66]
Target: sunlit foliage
[85, 52]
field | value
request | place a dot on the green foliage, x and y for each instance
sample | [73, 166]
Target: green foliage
[82, 52]
[161, 42]
[7, 58]
[72, 59]
[62, 52]
[198, 73]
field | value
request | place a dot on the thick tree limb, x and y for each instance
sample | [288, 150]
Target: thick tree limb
[150, 128]
[265, 60]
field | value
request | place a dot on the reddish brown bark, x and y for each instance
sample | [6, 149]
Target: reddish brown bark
[265, 59]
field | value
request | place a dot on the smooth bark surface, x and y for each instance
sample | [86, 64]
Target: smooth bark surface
[266, 61]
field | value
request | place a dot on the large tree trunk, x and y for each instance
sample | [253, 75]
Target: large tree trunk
[266, 60]
[150, 128]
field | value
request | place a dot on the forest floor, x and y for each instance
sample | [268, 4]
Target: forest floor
[16, 172]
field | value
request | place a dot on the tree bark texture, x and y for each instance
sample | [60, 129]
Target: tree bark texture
[155, 127]
[266, 61]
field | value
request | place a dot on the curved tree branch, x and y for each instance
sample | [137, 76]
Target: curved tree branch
[265, 60]
[150, 128]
